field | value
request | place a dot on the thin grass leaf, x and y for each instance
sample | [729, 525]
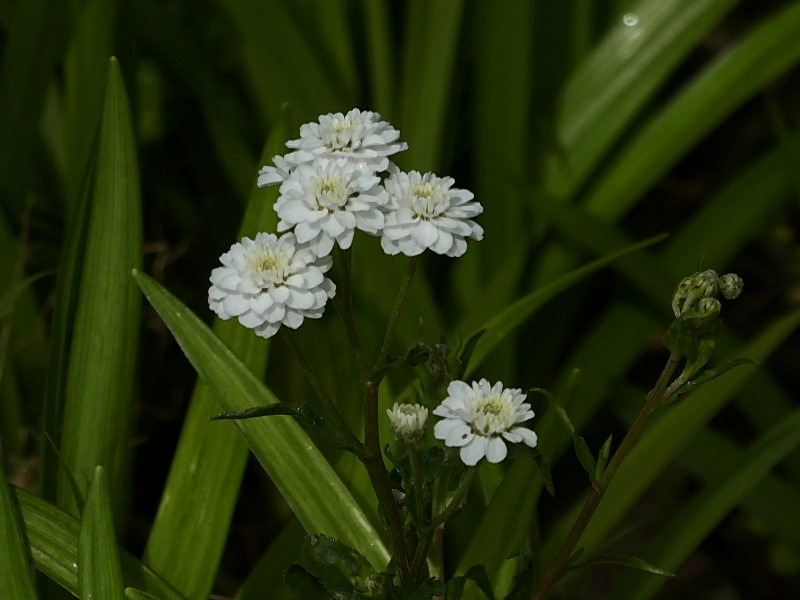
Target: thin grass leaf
[53, 538]
[85, 69]
[379, 43]
[303, 476]
[661, 444]
[268, 573]
[699, 517]
[618, 78]
[196, 507]
[99, 570]
[430, 49]
[334, 23]
[625, 560]
[763, 55]
[16, 579]
[98, 413]
[499, 326]
[134, 594]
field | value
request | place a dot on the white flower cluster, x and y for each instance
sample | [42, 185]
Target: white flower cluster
[330, 185]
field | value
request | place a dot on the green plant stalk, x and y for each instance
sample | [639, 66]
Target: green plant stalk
[430, 529]
[399, 302]
[655, 398]
[338, 420]
[344, 302]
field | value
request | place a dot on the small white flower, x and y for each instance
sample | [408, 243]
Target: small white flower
[425, 211]
[408, 422]
[359, 136]
[269, 282]
[327, 200]
[480, 417]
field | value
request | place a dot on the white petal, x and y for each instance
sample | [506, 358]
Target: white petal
[496, 450]
[473, 452]
[528, 436]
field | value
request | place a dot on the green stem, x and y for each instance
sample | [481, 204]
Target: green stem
[653, 400]
[379, 477]
[399, 302]
[344, 302]
[338, 421]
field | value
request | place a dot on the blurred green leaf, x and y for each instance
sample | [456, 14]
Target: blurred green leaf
[268, 573]
[499, 326]
[134, 594]
[53, 538]
[304, 477]
[99, 570]
[764, 54]
[16, 579]
[618, 78]
[696, 519]
[196, 508]
[621, 559]
[98, 412]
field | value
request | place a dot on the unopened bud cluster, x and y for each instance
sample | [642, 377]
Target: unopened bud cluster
[696, 295]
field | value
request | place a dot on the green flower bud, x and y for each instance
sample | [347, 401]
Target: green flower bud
[708, 307]
[679, 297]
[731, 286]
[692, 289]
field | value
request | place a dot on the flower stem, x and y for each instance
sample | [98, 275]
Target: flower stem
[656, 396]
[402, 294]
[344, 302]
[379, 477]
[338, 421]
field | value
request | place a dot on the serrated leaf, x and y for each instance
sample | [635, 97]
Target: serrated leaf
[712, 373]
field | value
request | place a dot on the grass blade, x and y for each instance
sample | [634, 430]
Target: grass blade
[303, 476]
[99, 570]
[195, 510]
[761, 57]
[15, 572]
[98, 409]
[53, 538]
[697, 518]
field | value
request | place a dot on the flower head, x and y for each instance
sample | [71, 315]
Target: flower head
[327, 200]
[481, 418]
[408, 422]
[359, 136]
[269, 282]
[425, 211]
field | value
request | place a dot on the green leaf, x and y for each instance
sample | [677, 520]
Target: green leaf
[134, 594]
[697, 518]
[476, 573]
[712, 373]
[302, 411]
[98, 412]
[99, 570]
[498, 327]
[621, 559]
[53, 538]
[15, 572]
[619, 77]
[303, 476]
[268, 573]
[195, 509]
[602, 458]
[763, 55]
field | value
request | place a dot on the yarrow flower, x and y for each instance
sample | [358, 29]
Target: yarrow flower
[269, 282]
[359, 136]
[408, 422]
[481, 418]
[327, 200]
[426, 212]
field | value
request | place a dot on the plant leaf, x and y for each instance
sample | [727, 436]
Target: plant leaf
[625, 560]
[15, 572]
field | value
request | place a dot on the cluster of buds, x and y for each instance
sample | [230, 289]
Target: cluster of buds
[696, 296]
[408, 422]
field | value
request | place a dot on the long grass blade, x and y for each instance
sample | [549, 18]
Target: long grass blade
[98, 410]
[303, 476]
[99, 570]
[15, 568]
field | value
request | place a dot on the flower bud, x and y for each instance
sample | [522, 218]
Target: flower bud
[704, 284]
[408, 422]
[731, 286]
[708, 307]
[679, 298]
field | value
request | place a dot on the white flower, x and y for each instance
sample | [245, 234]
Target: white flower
[359, 136]
[408, 422]
[327, 200]
[479, 418]
[269, 282]
[425, 211]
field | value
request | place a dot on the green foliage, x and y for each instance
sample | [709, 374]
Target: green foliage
[581, 132]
